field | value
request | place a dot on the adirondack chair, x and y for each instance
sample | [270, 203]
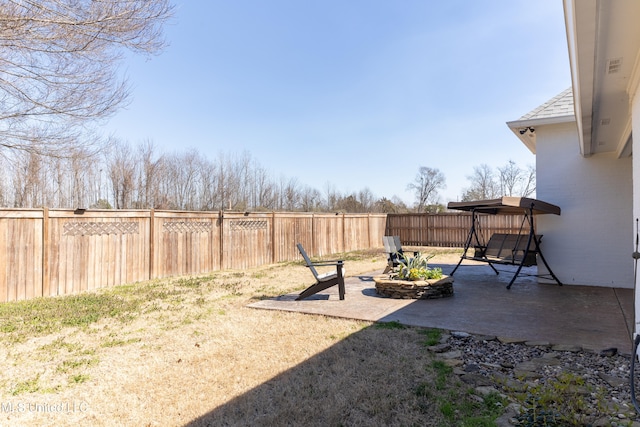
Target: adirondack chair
[323, 281]
[393, 248]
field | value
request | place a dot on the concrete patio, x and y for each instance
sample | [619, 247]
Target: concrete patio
[594, 318]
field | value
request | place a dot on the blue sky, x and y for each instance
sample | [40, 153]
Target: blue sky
[351, 94]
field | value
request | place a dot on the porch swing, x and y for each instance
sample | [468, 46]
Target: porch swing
[521, 249]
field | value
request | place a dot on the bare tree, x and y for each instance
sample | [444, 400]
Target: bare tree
[310, 199]
[229, 182]
[140, 177]
[211, 199]
[400, 205]
[263, 189]
[185, 172]
[385, 205]
[529, 182]
[511, 181]
[332, 197]
[510, 178]
[426, 185]
[349, 204]
[59, 196]
[149, 171]
[59, 66]
[29, 175]
[515, 181]
[5, 183]
[82, 173]
[289, 194]
[483, 184]
[122, 171]
[367, 199]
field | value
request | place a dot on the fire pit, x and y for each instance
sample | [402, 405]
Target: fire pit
[390, 287]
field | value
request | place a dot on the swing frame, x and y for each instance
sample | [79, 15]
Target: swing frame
[507, 249]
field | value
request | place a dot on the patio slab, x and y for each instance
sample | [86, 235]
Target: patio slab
[594, 318]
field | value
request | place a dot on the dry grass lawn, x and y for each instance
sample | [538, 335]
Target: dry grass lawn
[187, 351]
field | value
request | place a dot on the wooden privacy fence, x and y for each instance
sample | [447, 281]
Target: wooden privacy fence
[448, 229]
[58, 252]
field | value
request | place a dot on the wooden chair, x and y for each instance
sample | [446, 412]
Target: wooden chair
[323, 281]
[393, 248]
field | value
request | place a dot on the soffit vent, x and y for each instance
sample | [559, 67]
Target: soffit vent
[614, 65]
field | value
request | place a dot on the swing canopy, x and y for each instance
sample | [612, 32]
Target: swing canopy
[507, 206]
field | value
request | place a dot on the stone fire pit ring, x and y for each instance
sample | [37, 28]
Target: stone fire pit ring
[413, 289]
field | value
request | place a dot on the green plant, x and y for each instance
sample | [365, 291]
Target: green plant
[442, 371]
[416, 268]
[448, 409]
[424, 390]
[42, 316]
[78, 379]
[458, 405]
[70, 364]
[559, 402]
[394, 324]
[433, 336]
[27, 386]
[119, 342]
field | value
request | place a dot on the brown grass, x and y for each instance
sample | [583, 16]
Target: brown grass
[190, 352]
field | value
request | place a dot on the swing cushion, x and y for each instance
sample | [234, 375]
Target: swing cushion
[508, 249]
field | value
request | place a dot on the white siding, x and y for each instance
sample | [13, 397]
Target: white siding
[589, 244]
[635, 125]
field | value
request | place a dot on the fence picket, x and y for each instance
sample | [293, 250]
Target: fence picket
[52, 252]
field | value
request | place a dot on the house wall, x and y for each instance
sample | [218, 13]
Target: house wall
[635, 124]
[589, 243]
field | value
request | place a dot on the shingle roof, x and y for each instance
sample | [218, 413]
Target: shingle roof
[558, 106]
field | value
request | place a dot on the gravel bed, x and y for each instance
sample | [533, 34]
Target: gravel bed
[596, 385]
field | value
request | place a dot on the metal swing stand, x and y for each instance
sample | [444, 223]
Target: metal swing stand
[505, 249]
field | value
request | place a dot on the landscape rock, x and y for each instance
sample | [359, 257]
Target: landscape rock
[453, 362]
[609, 352]
[476, 380]
[459, 334]
[486, 390]
[564, 347]
[455, 354]
[508, 418]
[538, 344]
[613, 381]
[513, 367]
[413, 289]
[510, 340]
[440, 348]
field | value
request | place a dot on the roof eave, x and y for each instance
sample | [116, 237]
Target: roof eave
[582, 51]
[528, 137]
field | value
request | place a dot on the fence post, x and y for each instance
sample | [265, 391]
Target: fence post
[152, 253]
[344, 234]
[369, 230]
[273, 237]
[313, 234]
[427, 227]
[221, 238]
[46, 280]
